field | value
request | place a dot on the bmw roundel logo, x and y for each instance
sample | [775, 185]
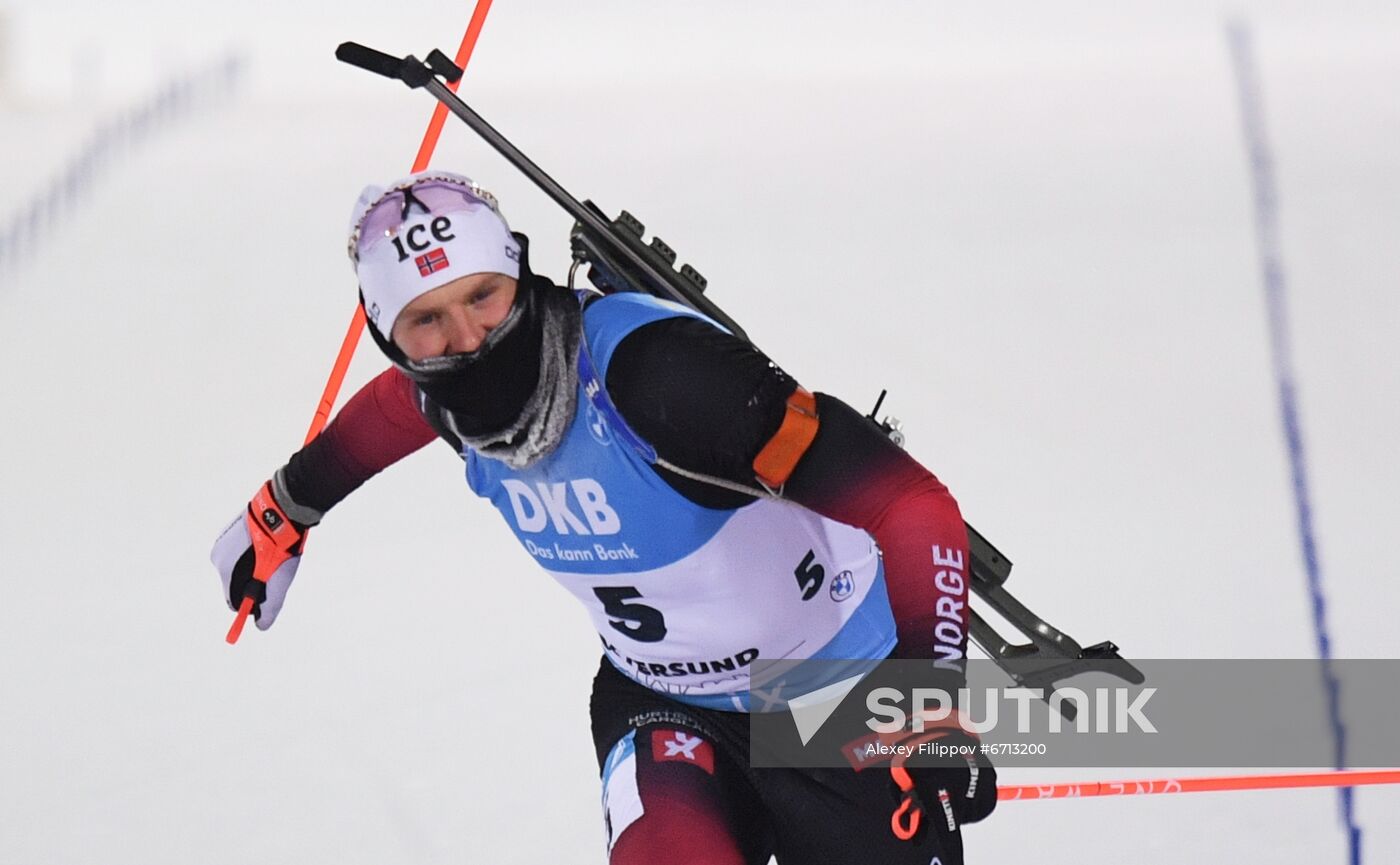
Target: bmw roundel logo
[597, 425]
[843, 585]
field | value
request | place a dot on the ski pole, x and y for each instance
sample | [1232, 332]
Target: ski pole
[1351, 778]
[357, 321]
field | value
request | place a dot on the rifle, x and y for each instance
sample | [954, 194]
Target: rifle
[618, 259]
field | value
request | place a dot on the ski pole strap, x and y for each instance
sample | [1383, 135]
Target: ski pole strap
[775, 463]
[904, 822]
[273, 533]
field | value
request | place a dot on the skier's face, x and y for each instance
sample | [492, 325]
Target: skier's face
[454, 318]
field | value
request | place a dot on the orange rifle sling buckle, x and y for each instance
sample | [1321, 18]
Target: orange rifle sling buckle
[776, 462]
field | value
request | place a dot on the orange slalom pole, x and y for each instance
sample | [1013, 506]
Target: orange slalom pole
[357, 321]
[1349, 778]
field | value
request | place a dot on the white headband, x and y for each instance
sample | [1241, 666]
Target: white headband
[423, 232]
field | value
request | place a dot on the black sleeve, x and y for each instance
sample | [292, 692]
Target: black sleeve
[706, 400]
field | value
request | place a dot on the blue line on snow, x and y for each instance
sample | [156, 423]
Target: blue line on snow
[1271, 262]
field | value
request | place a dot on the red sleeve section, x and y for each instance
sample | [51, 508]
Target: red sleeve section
[379, 426]
[854, 474]
[919, 528]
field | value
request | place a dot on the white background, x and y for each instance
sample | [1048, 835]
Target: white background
[1031, 222]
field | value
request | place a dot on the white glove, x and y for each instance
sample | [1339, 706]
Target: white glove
[258, 554]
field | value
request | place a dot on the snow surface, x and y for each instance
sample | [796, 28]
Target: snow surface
[1031, 222]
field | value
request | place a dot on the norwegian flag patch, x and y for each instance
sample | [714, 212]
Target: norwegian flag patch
[682, 747]
[431, 262]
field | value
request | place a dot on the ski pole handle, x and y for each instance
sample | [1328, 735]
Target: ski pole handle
[276, 544]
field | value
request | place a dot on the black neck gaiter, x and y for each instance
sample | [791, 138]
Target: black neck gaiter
[486, 390]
